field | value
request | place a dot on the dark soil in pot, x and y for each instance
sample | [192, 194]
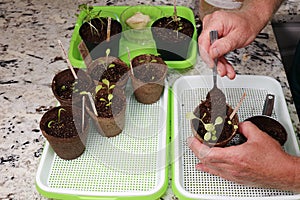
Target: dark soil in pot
[111, 68]
[95, 40]
[225, 131]
[67, 90]
[62, 127]
[271, 127]
[172, 37]
[110, 121]
[149, 72]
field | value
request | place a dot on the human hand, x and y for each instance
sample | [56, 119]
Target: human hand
[259, 162]
[236, 29]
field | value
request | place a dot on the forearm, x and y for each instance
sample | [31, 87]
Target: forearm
[295, 181]
[260, 11]
[288, 175]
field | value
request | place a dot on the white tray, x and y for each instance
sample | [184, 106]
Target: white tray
[131, 165]
[188, 91]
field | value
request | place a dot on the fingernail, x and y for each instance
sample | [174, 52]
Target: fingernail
[215, 53]
[219, 71]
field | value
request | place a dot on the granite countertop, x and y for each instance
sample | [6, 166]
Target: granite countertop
[30, 57]
[288, 12]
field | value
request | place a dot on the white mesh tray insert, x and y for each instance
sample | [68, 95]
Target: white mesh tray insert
[188, 92]
[130, 164]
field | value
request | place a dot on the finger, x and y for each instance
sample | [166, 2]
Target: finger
[219, 171]
[230, 71]
[225, 68]
[217, 166]
[227, 175]
[203, 51]
[200, 150]
[249, 130]
[206, 154]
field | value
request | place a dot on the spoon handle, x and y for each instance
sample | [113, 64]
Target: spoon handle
[213, 37]
[268, 105]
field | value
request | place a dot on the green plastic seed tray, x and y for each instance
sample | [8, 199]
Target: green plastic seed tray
[135, 40]
[132, 165]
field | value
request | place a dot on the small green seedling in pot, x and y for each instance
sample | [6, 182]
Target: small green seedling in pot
[176, 19]
[106, 64]
[111, 65]
[109, 88]
[209, 127]
[90, 14]
[58, 117]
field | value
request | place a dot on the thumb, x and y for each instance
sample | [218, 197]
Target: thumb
[222, 46]
[250, 130]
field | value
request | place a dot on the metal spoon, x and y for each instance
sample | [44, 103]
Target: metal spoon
[216, 96]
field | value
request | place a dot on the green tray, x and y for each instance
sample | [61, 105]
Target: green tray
[136, 49]
[132, 165]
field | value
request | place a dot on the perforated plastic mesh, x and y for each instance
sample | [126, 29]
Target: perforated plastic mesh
[129, 162]
[202, 183]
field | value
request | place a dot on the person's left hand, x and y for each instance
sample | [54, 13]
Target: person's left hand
[260, 161]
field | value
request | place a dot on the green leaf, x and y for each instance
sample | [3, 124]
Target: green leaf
[235, 127]
[102, 99]
[110, 97]
[83, 92]
[111, 65]
[209, 127]
[109, 104]
[214, 138]
[207, 136]
[112, 87]
[107, 52]
[98, 87]
[105, 81]
[218, 120]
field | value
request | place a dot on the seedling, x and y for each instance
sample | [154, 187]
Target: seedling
[209, 127]
[107, 52]
[90, 14]
[109, 88]
[58, 117]
[108, 100]
[106, 63]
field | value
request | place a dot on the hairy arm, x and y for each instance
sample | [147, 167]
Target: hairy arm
[236, 28]
[260, 12]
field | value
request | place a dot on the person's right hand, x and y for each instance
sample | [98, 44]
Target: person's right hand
[236, 29]
[259, 162]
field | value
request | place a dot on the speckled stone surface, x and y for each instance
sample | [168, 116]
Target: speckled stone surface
[29, 57]
[288, 12]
